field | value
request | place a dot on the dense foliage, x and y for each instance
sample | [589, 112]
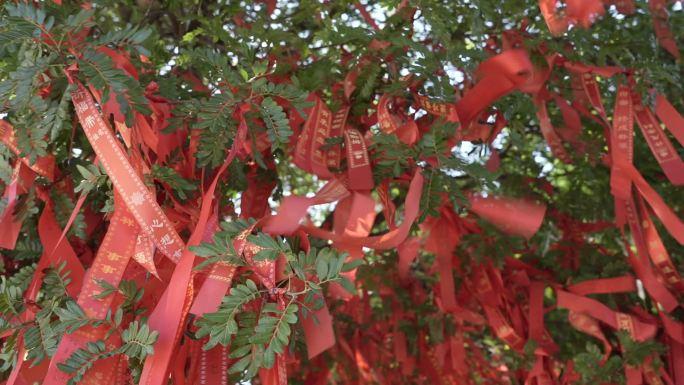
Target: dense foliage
[230, 92]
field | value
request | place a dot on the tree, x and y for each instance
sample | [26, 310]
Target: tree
[392, 192]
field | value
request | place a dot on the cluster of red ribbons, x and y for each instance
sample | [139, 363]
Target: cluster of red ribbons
[143, 239]
[585, 12]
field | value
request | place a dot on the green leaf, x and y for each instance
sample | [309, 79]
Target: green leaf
[40, 341]
[347, 285]
[322, 269]
[83, 360]
[277, 123]
[353, 264]
[241, 351]
[270, 248]
[72, 317]
[138, 340]
[272, 332]
[221, 325]
[240, 365]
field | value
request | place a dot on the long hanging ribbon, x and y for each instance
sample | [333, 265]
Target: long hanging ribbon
[152, 221]
[573, 124]
[408, 251]
[668, 218]
[318, 331]
[589, 91]
[658, 252]
[442, 239]
[670, 117]
[339, 120]
[213, 366]
[319, 164]
[536, 312]
[550, 134]
[55, 250]
[622, 141]
[317, 324]
[659, 143]
[10, 227]
[139, 200]
[113, 256]
[661, 28]
[358, 161]
[169, 314]
[110, 263]
[308, 155]
[640, 262]
[622, 178]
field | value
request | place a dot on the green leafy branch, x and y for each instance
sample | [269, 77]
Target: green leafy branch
[58, 314]
[181, 187]
[100, 72]
[273, 330]
[83, 360]
[93, 178]
[276, 120]
[257, 338]
[137, 339]
[25, 21]
[137, 343]
[220, 251]
[290, 92]
[130, 292]
[132, 36]
[221, 325]
[270, 248]
[213, 116]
